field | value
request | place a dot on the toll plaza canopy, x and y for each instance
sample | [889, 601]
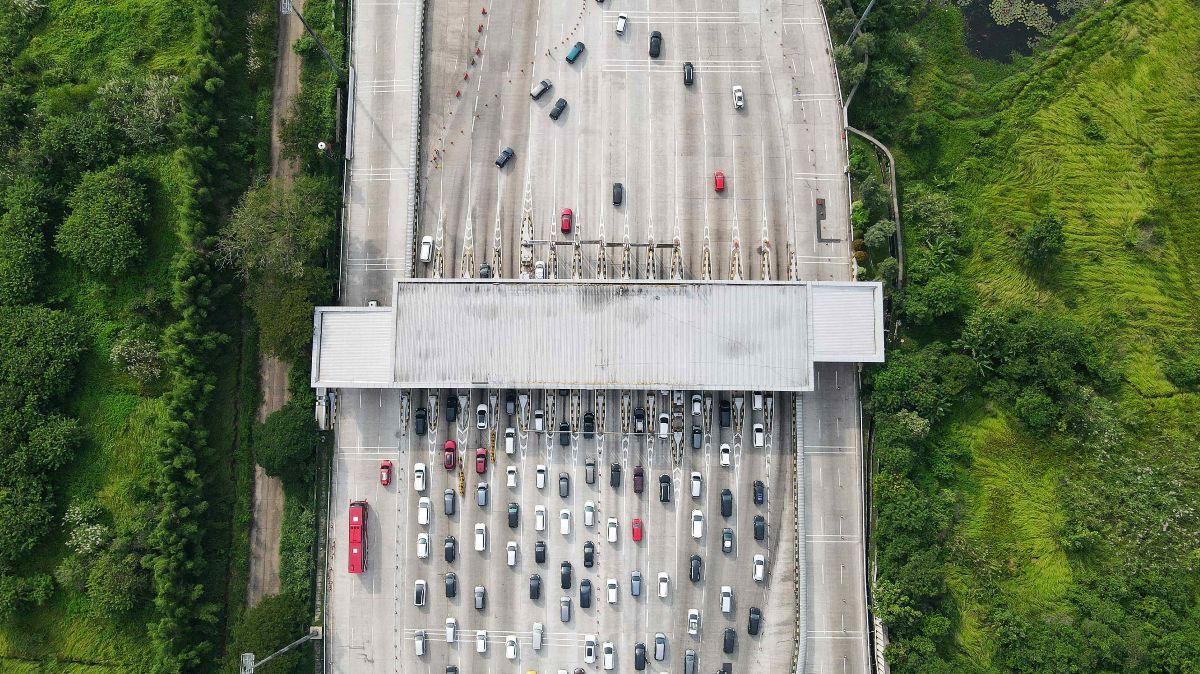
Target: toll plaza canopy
[598, 334]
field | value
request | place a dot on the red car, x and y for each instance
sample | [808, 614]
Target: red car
[451, 458]
[481, 460]
[637, 530]
[567, 218]
[385, 473]
[719, 181]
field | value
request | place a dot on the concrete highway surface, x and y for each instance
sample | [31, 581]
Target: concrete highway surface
[630, 119]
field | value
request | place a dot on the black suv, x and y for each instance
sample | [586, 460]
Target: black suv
[664, 488]
[689, 73]
[655, 44]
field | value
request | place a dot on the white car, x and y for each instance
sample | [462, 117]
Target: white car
[422, 546]
[510, 647]
[538, 629]
[564, 522]
[589, 514]
[540, 479]
[426, 248]
[511, 549]
[622, 20]
[480, 537]
[739, 100]
[481, 641]
[539, 269]
[609, 656]
[696, 482]
[612, 590]
[539, 420]
[424, 508]
[664, 582]
[451, 630]
[419, 642]
[589, 648]
[693, 621]
[726, 599]
[760, 436]
[697, 405]
[419, 477]
[612, 530]
[664, 425]
[419, 591]
[760, 568]
[539, 518]
[697, 524]
[511, 471]
[481, 416]
[757, 401]
[725, 452]
[510, 440]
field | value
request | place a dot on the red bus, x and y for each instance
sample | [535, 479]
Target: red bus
[358, 536]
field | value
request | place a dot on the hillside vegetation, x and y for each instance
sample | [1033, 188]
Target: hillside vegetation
[125, 139]
[1036, 435]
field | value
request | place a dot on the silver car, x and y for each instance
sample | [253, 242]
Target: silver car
[564, 609]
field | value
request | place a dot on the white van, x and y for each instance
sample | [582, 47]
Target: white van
[726, 599]
[481, 641]
[420, 642]
[451, 630]
[537, 636]
[480, 537]
[511, 549]
[612, 590]
[760, 436]
[426, 248]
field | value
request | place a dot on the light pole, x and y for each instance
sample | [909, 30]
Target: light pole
[247, 660]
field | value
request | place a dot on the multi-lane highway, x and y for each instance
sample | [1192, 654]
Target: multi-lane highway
[630, 119]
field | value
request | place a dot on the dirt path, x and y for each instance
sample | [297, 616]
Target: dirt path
[267, 515]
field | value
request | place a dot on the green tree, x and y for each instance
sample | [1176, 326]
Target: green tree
[286, 445]
[277, 231]
[1042, 241]
[39, 349]
[878, 234]
[283, 309]
[22, 244]
[108, 210]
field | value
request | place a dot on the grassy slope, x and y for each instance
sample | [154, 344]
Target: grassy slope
[88, 41]
[1129, 197]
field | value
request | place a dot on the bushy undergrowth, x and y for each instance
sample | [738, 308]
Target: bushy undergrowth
[1037, 448]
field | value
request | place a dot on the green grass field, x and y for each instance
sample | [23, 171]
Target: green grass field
[1102, 129]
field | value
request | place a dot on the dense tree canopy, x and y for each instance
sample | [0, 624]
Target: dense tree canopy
[109, 209]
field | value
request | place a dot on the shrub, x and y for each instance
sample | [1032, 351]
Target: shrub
[879, 234]
[296, 549]
[39, 349]
[22, 244]
[275, 622]
[287, 443]
[1042, 241]
[108, 209]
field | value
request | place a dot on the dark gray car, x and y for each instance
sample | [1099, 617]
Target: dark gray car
[760, 528]
[448, 501]
[729, 643]
[451, 585]
[421, 421]
[614, 475]
[564, 575]
[655, 44]
[725, 414]
[564, 485]
[559, 106]
[695, 569]
[585, 593]
[618, 197]
[505, 154]
[697, 436]
[726, 503]
[564, 434]
[535, 587]
[451, 548]
[755, 622]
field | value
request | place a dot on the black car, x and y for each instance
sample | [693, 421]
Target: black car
[557, 110]
[589, 554]
[451, 408]
[655, 44]
[564, 434]
[510, 404]
[451, 585]
[514, 511]
[639, 420]
[725, 414]
[618, 194]
[585, 593]
[689, 73]
[727, 540]
[664, 488]
[535, 587]
[614, 475]
[539, 552]
[760, 528]
[589, 425]
[639, 657]
[564, 575]
[505, 154]
[730, 641]
[760, 492]
[726, 503]
[451, 548]
[421, 421]
[695, 569]
[755, 621]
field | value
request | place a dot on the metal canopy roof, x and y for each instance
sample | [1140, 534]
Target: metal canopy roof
[502, 333]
